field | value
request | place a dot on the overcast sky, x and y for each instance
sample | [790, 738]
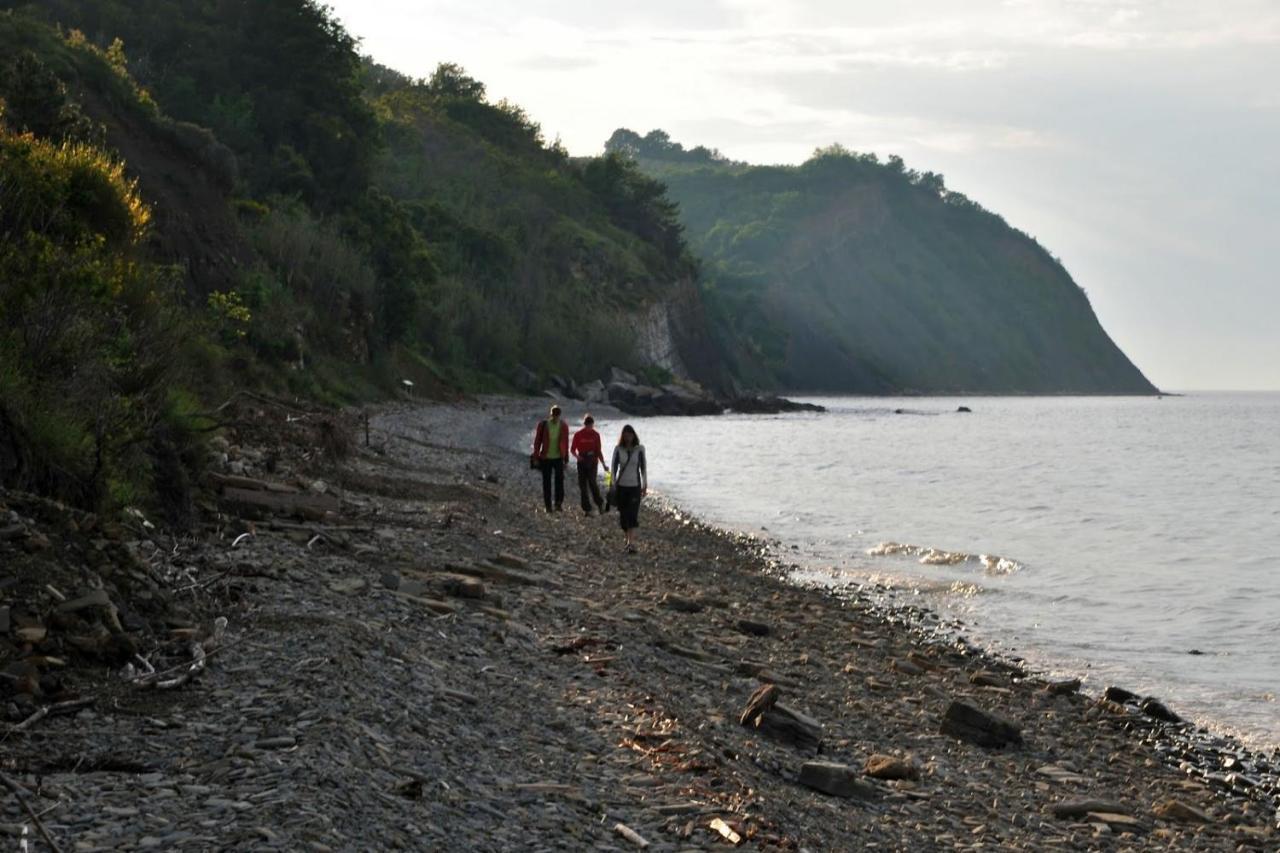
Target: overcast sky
[1139, 141]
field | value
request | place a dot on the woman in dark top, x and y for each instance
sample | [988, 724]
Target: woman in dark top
[631, 480]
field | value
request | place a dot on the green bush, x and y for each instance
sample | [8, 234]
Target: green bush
[88, 331]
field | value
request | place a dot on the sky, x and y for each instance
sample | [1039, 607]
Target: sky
[1138, 140]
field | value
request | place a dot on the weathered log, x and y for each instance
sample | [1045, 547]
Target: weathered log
[792, 726]
[297, 504]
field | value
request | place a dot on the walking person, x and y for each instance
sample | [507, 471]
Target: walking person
[631, 482]
[586, 449]
[550, 450]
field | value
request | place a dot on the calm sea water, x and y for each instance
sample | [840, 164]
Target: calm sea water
[1133, 531]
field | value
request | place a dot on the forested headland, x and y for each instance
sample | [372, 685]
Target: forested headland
[852, 274]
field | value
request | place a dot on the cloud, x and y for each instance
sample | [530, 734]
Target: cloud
[557, 63]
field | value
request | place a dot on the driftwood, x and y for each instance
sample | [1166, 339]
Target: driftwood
[787, 724]
[49, 711]
[236, 481]
[26, 807]
[285, 503]
[187, 671]
[631, 835]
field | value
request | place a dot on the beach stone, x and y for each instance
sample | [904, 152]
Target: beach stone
[983, 728]
[510, 561]
[838, 780]
[1176, 810]
[96, 598]
[1157, 710]
[1063, 688]
[461, 586]
[348, 586]
[986, 678]
[1119, 695]
[754, 628]
[906, 667]
[1115, 821]
[279, 742]
[1079, 808]
[681, 604]
[31, 633]
[890, 767]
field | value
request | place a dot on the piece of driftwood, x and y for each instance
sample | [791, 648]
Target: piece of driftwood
[284, 503]
[631, 835]
[16, 789]
[50, 711]
[791, 726]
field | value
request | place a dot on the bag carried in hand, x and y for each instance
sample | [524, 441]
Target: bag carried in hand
[610, 490]
[533, 461]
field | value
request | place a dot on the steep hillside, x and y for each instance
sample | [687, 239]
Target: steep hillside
[306, 223]
[848, 274]
[376, 227]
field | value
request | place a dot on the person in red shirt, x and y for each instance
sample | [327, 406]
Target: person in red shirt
[550, 452]
[586, 449]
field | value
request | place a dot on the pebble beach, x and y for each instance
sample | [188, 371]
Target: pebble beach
[430, 662]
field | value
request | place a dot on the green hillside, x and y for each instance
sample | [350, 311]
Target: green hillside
[850, 274]
[304, 222]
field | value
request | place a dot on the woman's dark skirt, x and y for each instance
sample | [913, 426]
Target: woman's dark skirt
[629, 506]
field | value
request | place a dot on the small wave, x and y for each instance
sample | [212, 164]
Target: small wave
[991, 563]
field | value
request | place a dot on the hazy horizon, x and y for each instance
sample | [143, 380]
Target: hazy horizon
[1135, 140]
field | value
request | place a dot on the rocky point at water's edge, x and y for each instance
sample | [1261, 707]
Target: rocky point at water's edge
[413, 657]
[680, 396]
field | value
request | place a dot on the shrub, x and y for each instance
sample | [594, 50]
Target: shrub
[88, 332]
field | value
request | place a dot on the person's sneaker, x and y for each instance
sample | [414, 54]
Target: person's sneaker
[631, 549]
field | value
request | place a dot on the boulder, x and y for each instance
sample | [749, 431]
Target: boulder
[617, 374]
[1062, 688]
[593, 392]
[1157, 710]
[838, 780]
[982, 728]
[1120, 695]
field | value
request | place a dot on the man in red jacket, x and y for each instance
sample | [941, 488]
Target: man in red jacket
[550, 450]
[586, 449]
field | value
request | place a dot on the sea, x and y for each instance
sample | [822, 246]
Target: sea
[1129, 541]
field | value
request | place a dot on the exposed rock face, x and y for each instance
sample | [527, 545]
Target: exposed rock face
[656, 342]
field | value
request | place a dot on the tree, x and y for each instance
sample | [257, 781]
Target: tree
[451, 80]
